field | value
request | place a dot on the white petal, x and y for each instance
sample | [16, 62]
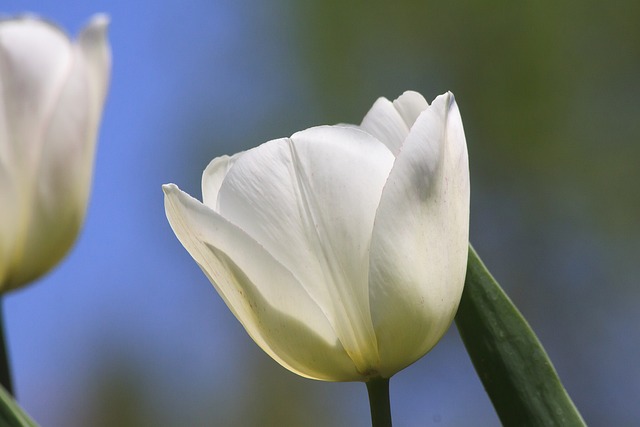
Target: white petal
[93, 49]
[310, 201]
[35, 59]
[410, 104]
[9, 214]
[420, 238]
[263, 295]
[212, 178]
[385, 123]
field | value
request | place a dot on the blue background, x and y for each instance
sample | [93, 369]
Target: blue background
[127, 331]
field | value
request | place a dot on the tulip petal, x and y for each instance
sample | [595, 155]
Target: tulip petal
[386, 123]
[96, 54]
[420, 237]
[410, 104]
[213, 176]
[35, 56]
[310, 201]
[8, 217]
[264, 296]
[35, 60]
[390, 121]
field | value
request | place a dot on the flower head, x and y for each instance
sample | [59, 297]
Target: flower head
[52, 90]
[342, 250]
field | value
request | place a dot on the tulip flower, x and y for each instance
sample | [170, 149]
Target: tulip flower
[52, 91]
[342, 250]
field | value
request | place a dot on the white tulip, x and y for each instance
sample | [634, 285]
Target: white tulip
[52, 91]
[342, 250]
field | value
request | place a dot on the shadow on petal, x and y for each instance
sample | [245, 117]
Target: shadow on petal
[289, 340]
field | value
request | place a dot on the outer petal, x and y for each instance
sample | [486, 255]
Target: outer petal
[263, 295]
[420, 238]
[35, 58]
[310, 201]
[93, 49]
[93, 55]
[8, 217]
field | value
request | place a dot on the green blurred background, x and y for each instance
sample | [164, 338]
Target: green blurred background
[129, 332]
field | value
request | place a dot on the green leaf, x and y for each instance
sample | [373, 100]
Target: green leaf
[514, 368]
[11, 415]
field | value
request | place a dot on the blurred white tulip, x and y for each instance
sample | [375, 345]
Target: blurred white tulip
[342, 250]
[52, 90]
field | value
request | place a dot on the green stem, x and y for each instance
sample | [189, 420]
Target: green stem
[5, 371]
[378, 389]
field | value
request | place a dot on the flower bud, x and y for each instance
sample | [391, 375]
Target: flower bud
[52, 91]
[342, 250]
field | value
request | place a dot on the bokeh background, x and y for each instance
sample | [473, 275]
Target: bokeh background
[127, 331]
